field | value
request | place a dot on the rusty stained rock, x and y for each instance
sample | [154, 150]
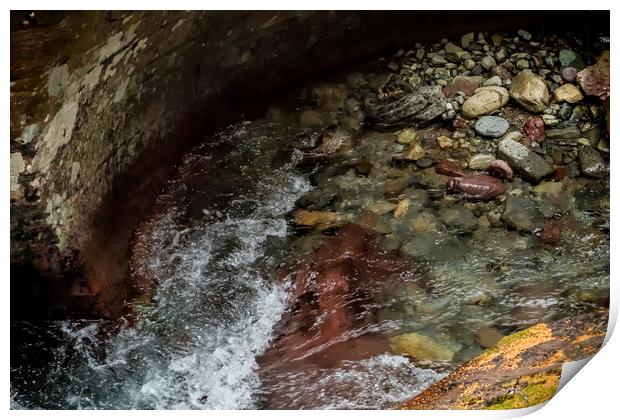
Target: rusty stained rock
[522, 370]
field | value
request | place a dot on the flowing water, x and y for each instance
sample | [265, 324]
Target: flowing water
[218, 265]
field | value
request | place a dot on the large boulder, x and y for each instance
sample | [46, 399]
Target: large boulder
[530, 91]
[485, 100]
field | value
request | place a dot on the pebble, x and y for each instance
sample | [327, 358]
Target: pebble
[526, 162]
[569, 74]
[530, 91]
[480, 162]
[524, 34]
[591, 163]
[491, 126]
[484, 101]
[493, 81]
[487, 62]
[570, 132]
[523, 64]
[568, 93]
[458, 218]
[522, 214]
[550, 120]
[534, 129]
[469, 64]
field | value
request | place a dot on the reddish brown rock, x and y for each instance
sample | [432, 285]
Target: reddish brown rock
[481, 187]
[551, 233]
[331, 290]
[534, 129]
[448, 168]
[465, 84]
[501, 169]
[594, 80]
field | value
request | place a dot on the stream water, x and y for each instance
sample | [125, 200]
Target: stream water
[210, 261]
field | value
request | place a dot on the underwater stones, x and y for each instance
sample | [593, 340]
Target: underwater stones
[551, 233]
[413, 153]
[417, 108]
[591, 163]
[522, 214]
[402, 207]
[491, 126]
[501, 169]
[488, 336]
[445, 142]
[311, 118]
[482, 187]
[421, 348]
[534, 129]
[480, 162]
[484, 101]
[381, 207]
[594, 80]
[330, 96]
[320, 220]
[406, 136]
[458, 218]
[568, 93]
[531, 166]
[448, 168]
[530, 91]
[569, 132]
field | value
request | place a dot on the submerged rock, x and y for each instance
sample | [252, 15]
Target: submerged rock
[531, 166]
[522, 214]
[480, 187]
[480, 162]
[420, 348]
[530, 91]
[459, 218]
[591, 162]
[320, 220]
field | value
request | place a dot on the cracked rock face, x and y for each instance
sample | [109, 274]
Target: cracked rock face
[417, 108]
[530, 91]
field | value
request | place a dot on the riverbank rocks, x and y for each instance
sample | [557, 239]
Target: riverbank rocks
[522, 214]
[534, 129]
[530, 91]
[591, 162]
[420, 348]
[527, 163]
[484, 101]
[491, 126]
[594, 80]
[522, 370]
[414, 109]
[568, 93]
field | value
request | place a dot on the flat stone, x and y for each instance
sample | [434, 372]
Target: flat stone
[570, 132]
[493, 81]
[531, 166]
[485, 100]
[591, 163]
[466, 84]
[530, 91]
[420, 347]
[459, 218]
[491, 126]
[568, 93]
[522, 214]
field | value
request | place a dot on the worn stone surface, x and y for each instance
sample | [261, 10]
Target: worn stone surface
[491, 126]
[527, 163]
[568, 93]
[530, 91]
[485, 100]
[522, 214]
[594, 80]
[522, 370]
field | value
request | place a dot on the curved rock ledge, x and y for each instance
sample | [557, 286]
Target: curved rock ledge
[522, 370]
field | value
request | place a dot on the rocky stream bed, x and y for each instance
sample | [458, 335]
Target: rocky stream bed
[369, 235]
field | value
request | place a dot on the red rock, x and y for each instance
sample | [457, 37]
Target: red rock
[482, 187]
[464, 84]
[458, 122]
[551, 232]
[445, 167]
[559, 173]
[501, 168]
[534, 129]
[594, 80]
